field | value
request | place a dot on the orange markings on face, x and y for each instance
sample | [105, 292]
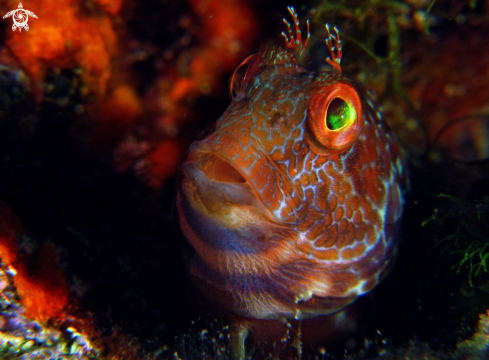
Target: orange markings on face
[371, 235]
[355, 202]
[293, 167]
[305, 179]
[358, 217]
[301, 159]
[309, 195]
[349, 212]
[329, 237]
[294, 201]
[367, 286]
[345, 237]
[262, 175]
[354, 252]
[328, 220]
[296, 134]
[276, 139]
[285, 212]
[320, 161]
[259, 132]
[314, 177]
[360, 231]
[373, 217]
[331, 171]
[326, 254]
[378, 250]
[327, 240]
[346, 187]
[323, 188]
[277, 155]
[338, 214]
[308, 166]
[321, 202]
[335, 188]
[341, 198]
[305, 247]
[366, 207]
[333, 203]
[343, 282]
[371, 150]
[312, 217]
[318, 228]
[297, 183]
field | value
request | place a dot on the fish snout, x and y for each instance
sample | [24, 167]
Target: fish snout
[231, 176]
[216, 182]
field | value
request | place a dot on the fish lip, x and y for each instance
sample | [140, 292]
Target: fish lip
[227, 193]
[202, 149]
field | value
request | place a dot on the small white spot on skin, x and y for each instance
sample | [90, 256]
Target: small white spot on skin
[358, 289]
[304, 295]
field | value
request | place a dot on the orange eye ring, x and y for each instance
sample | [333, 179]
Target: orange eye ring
[334, 118]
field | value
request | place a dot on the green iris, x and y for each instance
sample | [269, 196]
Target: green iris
[339, 114]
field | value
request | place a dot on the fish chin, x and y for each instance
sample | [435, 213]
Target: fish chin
[220, 216]
[232, 246]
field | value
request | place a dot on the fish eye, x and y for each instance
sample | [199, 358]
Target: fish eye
[240, 75]
[334, 117]
[339, 114]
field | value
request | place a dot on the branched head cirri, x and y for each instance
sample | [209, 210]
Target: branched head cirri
[290, 202]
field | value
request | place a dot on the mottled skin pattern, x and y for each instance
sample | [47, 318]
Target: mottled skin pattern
[275, 227]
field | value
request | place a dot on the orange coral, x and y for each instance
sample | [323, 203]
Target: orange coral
[117, 113]
[39, 279]
[9, 228]
[80, 35]
[163, 161]
[112, 7]
[121, 104]
[67, 34]
[41, 284]
[227, 31]
[445, 85]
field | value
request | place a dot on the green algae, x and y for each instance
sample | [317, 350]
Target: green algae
[371, 19]
[462, 235]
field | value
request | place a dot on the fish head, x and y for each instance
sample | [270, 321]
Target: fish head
[289, 201]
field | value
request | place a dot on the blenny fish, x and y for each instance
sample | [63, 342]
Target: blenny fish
[289, 203]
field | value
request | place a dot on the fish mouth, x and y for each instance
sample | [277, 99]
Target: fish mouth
[218, 208]
[217, 184]
[219, 170]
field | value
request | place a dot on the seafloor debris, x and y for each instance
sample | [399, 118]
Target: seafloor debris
[34, 323]
[477, 347]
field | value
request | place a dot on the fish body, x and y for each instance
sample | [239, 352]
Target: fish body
[289, 205]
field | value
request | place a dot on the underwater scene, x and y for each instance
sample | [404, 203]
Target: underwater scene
[205, 179]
